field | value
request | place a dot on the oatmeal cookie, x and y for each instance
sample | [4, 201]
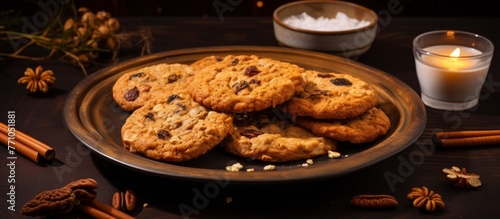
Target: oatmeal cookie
[245, 83]
[198, 65]
[363, 129]
[133, 89]
[332, 96]
[273, 140]
[174, 129]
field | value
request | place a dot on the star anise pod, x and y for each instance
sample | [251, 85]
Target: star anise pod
[426, 199]
[37, 80]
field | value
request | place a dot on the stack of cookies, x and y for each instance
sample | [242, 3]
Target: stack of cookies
[255, 107]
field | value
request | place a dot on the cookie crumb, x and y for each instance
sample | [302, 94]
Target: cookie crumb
[234, 168]
[333, 154]
[229, 200]
[269, 167]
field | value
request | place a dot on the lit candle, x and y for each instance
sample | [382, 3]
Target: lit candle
[451, 73]
[451, 67]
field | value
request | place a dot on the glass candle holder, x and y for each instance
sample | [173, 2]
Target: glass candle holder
[451, 67]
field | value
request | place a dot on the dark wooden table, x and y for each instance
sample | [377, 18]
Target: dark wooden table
[418, 165]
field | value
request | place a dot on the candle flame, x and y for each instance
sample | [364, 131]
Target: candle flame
[455, 53]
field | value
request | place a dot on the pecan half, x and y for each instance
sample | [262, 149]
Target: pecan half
[124, 201]
[374, 201]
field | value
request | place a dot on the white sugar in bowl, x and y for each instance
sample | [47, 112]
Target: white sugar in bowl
[337, 27]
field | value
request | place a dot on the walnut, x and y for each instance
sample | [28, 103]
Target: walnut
[87, 183]
[37, 80]
[61, 200]
[461, 178]
[374, 201]
[83, 189]
[51, 202]
[425, 199]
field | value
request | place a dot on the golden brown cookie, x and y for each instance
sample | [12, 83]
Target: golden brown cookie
[133, 89]
[174, 129]
[363, 129]
[274, 140]
[332, 96]
[198, 65]
[245, 83]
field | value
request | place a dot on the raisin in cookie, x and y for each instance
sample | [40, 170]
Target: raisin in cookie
[363, 129]
[274, 140]
[174, 129]
[332, 96]
[245, 83]
[133, 89]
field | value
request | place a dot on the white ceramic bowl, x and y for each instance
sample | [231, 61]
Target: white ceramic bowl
[349, 43]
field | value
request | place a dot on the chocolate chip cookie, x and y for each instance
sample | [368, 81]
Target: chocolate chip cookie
[245, 83]
[133, 89]
[174, 129]
[368, 127]
[329, 95]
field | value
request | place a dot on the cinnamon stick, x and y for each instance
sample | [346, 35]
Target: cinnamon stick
[467, 141]
[466, 133]
[21, 148]
[110, 210]
[44, 150]
[94, 213]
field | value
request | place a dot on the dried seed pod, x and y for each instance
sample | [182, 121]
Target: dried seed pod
[37, 80]
[88, 19]
[103, 15]
[114, 24]
[104, 31]
[426, 199]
